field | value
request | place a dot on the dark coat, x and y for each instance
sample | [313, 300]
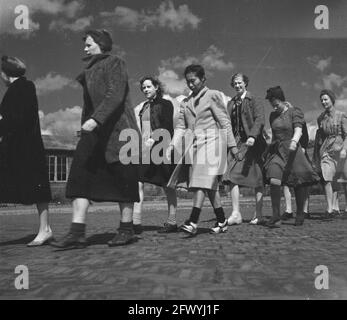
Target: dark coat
[108, 102]
[23, 169]
[253, 120]
[161, 115]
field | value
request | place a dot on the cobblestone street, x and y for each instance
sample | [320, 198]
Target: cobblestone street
[247, 262]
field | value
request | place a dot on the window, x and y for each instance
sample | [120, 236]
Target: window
[57, 168]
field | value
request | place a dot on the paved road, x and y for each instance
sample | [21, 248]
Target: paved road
[247, 262]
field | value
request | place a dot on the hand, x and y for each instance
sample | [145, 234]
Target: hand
[343, 154]
[168, 152]
[250, 142]
[89, 125]
[293, 145]
[235, 153]
[149, 143]
[1, 117]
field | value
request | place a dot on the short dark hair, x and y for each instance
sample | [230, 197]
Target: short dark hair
[155, 82]
[328, 93]
[195, 68]
[275, 93]
[101, 37]
[245, 79]
[12, 66]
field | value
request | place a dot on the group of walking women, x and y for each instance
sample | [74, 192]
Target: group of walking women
[232, 133]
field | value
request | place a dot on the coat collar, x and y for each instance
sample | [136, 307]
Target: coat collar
[192, 101]
[248, 96]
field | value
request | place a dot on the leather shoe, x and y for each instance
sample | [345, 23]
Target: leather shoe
[138, 229]
[122, 238]
[286, 216]
[234, 219]
[168, 228]
[46, 240]
[299, 220]
[71, 241]
[273, 223]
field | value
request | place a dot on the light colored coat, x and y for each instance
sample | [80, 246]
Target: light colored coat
[205, 126]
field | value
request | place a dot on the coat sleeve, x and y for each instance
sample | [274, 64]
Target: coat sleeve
[259, 119]
[344, 129]
[220, 113]
[116, 89]
[180, 127]
[19, 108]
[166, 116]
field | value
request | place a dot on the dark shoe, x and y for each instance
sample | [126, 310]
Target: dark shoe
[286, 216]
[299, 220]
[71, 240]
[336, 213]
[327, 215]
[138, 229]
[273, 223]
[307, 215]
[258, 222]
[189, 227]
[122, 238]
[220, 227]
[168, 228]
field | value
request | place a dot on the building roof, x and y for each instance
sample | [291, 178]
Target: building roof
[66, 143]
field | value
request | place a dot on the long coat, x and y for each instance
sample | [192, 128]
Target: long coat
[205, 125]
[253, 120]
[23, 172]
[110, 105]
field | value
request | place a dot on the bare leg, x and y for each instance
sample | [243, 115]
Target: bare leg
[44, 228]
[329, 196]
[336, 201]
[172, 204]
[235, 199]
[259, 192]
[199, 198]
[306, 191]
[235, 217]
[126, 211]
[215, 199]
[288, 199]
[79, 210]
[137, 214]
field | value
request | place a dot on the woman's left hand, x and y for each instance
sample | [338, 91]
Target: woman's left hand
[343, 154]
[89, 125]
[293, 145]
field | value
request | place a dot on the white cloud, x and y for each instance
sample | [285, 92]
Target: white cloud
[64, 123]
[211, 59]
[76, 26]
[52, 82]
[333, 79]
[166, 16]
[319, 63]
[63, 8]
[173, 85]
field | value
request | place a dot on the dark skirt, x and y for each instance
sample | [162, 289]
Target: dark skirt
[91, 177]
[245, 173]
[26, 183]
[158, 175]
[293, 168]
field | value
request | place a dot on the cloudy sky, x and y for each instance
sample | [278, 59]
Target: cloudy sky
[274, 42]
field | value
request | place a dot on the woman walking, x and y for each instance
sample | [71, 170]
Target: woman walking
[330, 146]
[285, 162]
[204, 120]
[23, 172]
[156, 120]
[97, 171]
[247, 118]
